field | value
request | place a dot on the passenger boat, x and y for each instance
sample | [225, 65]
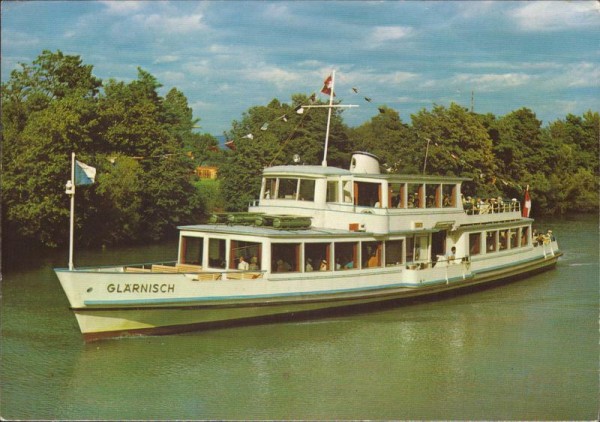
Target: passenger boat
[318, 238]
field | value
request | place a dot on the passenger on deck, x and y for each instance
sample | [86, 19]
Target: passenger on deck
[450, 256]
[446, 201]
[540, 239]
[253, 264]
[373, 261]
[243, 265]
[323, 266]
[395, 199]
[308, 268]
[282, 266]
[551, 236]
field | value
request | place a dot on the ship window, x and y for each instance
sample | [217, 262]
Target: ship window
[490, 241]
[314, 254]
[367, 194]
[270, 188]
[393, 252]
[346, 255]
[410, 249]
[474, 243]
[513, 239]
[415, 196]
[307, 190]
[251, 251]
[287, 188]
[503, 240]
[332, 191]
[396, 196]
[448, 196]
[524, 236]
[433, 196]
[216, 253]
[371, 254]
[191, 250]
[285, 257]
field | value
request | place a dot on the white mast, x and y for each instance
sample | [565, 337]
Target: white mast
[324, 163]
[71, 191]
[330, 107]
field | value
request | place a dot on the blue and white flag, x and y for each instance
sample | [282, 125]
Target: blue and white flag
[84, 174]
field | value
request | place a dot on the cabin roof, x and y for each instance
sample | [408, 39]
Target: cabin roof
[307, 170]
[320, 171]
[269, 231]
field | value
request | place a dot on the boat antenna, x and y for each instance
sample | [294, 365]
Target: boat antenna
[329, 106]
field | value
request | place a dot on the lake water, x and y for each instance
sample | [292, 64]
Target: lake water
[523, 350]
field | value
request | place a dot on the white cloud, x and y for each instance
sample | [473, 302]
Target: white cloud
[381, 34]
[168, 58]
[491, 81]
[18, 40]
[278, 11]
[397, 78]
[280, 77]
[557, 16]
[122, 7]
[475, 9]
[172, 24]
[583, 75]
[172, 78]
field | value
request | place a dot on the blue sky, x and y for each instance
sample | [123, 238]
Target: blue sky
[227, 56]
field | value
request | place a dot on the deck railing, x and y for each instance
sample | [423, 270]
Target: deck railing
[491, 207]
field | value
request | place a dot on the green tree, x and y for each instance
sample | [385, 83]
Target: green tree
[134, 137]
[388, 138]
[48, 110]
[459, 145]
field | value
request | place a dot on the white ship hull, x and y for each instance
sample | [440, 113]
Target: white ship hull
[111, 303]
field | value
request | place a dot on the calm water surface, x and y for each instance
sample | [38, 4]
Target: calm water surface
[524, 350]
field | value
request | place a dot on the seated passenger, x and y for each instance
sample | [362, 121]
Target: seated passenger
[373, 261]
[323, 266]
[282, 266]
[309, 266]
[243, 265]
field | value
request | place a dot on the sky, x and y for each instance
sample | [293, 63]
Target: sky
[228, 56]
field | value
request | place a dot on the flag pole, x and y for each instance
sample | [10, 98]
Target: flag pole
[71, 191]
[324, 163]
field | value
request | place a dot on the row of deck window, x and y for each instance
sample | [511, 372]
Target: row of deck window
[340, 256]
[366, 194]
[498, 240]
[304, 257]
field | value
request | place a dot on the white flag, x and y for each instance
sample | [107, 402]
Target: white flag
[84, 174]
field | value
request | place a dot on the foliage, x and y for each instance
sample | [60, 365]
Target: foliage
[133, 136]
[457, 143]
[389, 139]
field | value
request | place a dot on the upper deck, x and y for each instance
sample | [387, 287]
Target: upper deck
[363, 199]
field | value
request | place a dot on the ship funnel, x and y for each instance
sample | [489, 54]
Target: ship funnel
[363, 162]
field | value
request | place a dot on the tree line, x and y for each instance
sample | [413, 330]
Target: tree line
[145, 149]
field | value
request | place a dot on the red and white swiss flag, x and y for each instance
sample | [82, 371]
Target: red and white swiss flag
[327, 86]
[526, 203]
